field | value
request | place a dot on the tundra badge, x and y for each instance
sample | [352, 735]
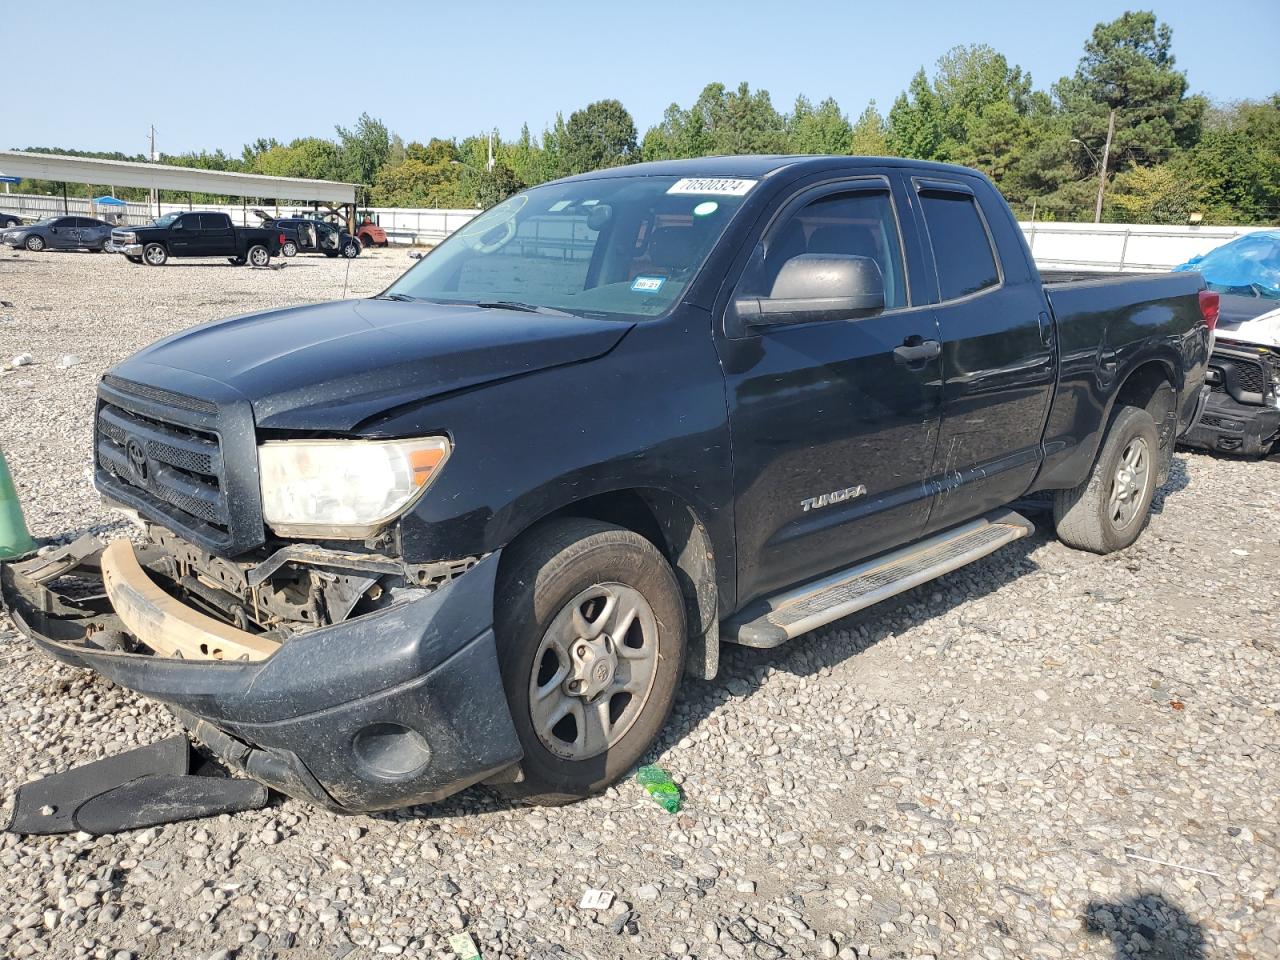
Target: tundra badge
[836, 496]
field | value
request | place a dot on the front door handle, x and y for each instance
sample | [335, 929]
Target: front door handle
[916, 350]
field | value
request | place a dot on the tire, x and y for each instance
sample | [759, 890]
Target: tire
[155, 255]
[34, 243]
[289, 249]
[236, 261]
[1097, 515]
[8, 222]
[258, 256]
[557, 569]
[351, 249]
[134, 259]
[329, 253]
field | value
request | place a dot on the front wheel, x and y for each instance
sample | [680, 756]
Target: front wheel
[259, 256]
[590, 628]
[155, 255]
[35, 243]
[1111, 508]
[289, 249]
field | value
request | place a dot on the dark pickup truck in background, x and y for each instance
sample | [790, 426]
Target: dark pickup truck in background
[477, 527]
[196, 234]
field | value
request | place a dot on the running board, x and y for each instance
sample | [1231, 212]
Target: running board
[775, 620]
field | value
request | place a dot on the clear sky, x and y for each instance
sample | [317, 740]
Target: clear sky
[94, 75]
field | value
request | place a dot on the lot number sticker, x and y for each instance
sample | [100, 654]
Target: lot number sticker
[715, 186]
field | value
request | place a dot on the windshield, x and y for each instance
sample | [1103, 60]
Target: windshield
[167, 219]
[625, 246]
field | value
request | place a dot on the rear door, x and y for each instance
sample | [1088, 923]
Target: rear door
[833, 434]
[217, 238]
[998, 359]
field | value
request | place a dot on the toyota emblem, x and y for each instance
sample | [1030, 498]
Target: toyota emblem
[137, 457]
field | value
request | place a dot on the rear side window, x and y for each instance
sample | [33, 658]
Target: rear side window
[215, 221]
[961, 247]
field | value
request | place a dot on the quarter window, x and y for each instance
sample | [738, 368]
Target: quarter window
[860, 223]
[961, 247]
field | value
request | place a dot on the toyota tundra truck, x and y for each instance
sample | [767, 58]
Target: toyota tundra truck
[477, 528]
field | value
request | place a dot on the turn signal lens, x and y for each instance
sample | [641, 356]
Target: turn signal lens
[1209, 305]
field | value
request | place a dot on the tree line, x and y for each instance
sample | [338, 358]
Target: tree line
[1125, 117]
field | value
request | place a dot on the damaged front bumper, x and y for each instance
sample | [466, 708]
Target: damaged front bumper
[1228, 426]
[400, 706]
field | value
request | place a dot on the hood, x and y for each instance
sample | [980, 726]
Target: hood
[333, 365]
[1263, 330]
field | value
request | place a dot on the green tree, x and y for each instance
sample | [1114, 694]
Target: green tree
[494, 186]
[822, 130]
[307, 157]
[1237, 163]
[1126, 101]
[916, 121]
[869, 136]
[364, 148]
[1158, 194]
[598, 136]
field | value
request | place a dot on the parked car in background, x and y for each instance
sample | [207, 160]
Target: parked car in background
[307, 235]
[60, 233]
[1243, 413]
[196, 234]
[8, 220]
[477, 527]
[370, 234]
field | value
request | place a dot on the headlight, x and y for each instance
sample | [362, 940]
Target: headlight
[344, 489]
[125, 237]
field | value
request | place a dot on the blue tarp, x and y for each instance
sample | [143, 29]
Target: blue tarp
[1248, 265]
[109, 201]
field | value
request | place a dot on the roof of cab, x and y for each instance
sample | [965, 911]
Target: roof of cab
[759, 166]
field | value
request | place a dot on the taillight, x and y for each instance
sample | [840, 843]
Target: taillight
[1215, 316]
[1209, 308]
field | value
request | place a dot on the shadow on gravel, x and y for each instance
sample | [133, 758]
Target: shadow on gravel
[743, 670]
[1179, 480]
[1146, 926]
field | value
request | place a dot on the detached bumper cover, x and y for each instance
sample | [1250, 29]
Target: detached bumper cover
[1233, 427]
[399, 707]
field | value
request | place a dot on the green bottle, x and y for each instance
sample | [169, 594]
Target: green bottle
[660, 786]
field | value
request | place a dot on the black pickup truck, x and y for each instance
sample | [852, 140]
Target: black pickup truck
[196, 234]
[476, 528]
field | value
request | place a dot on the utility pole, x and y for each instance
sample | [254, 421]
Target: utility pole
[489, 165]
[151, 155]
[1102, 167]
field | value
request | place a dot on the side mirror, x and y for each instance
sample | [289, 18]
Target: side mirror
[817, 286]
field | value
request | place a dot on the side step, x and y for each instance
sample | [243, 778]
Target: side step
[784, 616]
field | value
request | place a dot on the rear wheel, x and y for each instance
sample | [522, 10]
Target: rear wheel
[35, 243]
[1111, 508]
[259, 256]
[155, 255]
[351, 248]
[289, 249]
[591, 634]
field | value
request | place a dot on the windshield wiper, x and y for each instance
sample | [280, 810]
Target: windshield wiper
[401, 297]
[522, 307]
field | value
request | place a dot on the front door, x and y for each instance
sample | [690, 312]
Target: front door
[833, 427]
[63, 233]
[184, 236]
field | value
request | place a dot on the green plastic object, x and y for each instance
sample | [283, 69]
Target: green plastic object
[15, 541]
[659, 785]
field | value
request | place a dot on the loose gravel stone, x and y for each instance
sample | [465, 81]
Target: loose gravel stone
[969, 771]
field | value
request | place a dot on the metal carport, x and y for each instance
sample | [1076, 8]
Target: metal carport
[159, 176]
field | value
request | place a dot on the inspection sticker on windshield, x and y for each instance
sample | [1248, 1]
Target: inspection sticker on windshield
[717, 186]
[647, 284]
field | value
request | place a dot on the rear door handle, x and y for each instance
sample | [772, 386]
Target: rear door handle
[917, 351]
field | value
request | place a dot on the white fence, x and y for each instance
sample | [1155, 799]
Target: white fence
[1119, 246]
[1055, 246]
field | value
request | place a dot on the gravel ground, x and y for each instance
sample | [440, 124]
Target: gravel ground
[989, 768]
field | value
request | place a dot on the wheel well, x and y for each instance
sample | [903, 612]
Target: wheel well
[675, 529]
[1151, 388]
